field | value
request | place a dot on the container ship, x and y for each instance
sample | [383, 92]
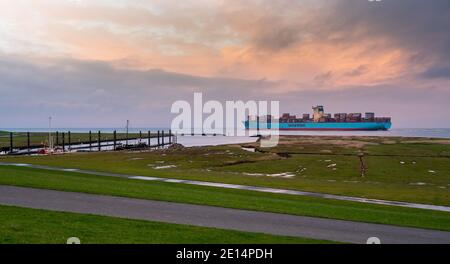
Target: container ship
[320, 121]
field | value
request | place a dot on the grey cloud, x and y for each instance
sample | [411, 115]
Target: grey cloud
[277, 37]
[417, 25]
[321, 78]
[437, 72]
[94, 94]
[362, 69]
[421, 26]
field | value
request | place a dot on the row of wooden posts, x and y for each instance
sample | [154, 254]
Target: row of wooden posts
[160, 136]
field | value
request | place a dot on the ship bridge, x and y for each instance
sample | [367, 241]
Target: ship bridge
[318, 113]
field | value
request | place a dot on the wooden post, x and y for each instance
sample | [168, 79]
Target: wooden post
[158, 139]
[99, 141]
[11, 142]
[70, 139]
[170, 136]
[257, 125]
[162, 138]
[90, 140]
[149, 136]
[57, 138]
[63, 142]
[140, 136]
[115, 138]
[28, 141]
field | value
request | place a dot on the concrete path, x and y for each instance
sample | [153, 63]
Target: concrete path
[209, 216]
[241, 187]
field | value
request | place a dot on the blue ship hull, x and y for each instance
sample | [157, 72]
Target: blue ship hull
[324, 126]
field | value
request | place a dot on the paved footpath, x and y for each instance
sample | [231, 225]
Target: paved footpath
[240, 187]
[209, 216]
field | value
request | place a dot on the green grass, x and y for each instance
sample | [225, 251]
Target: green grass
[411, 149]
[389, 146]
[386, 177]
[278, 203]
[31, 226]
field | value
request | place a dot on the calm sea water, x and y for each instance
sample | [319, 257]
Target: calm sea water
[396, 132]
[401, 132]
[190, 141]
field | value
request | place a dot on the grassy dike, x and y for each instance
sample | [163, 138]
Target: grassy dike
[279, 203]
[312, 167]
[31, 226]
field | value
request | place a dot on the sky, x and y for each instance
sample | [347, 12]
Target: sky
[98, 63]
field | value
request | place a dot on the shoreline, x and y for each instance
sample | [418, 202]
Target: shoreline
[434, 133]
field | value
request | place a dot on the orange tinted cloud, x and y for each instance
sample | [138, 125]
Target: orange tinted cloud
[289, 41]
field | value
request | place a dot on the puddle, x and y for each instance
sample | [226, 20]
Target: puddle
[279, 175]
[21, 164]
[418, 183]
[253, 174]
[70, 169]
[164, 167]
[144, 178]
[249, 149]
[282, 175]
[135, 158]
